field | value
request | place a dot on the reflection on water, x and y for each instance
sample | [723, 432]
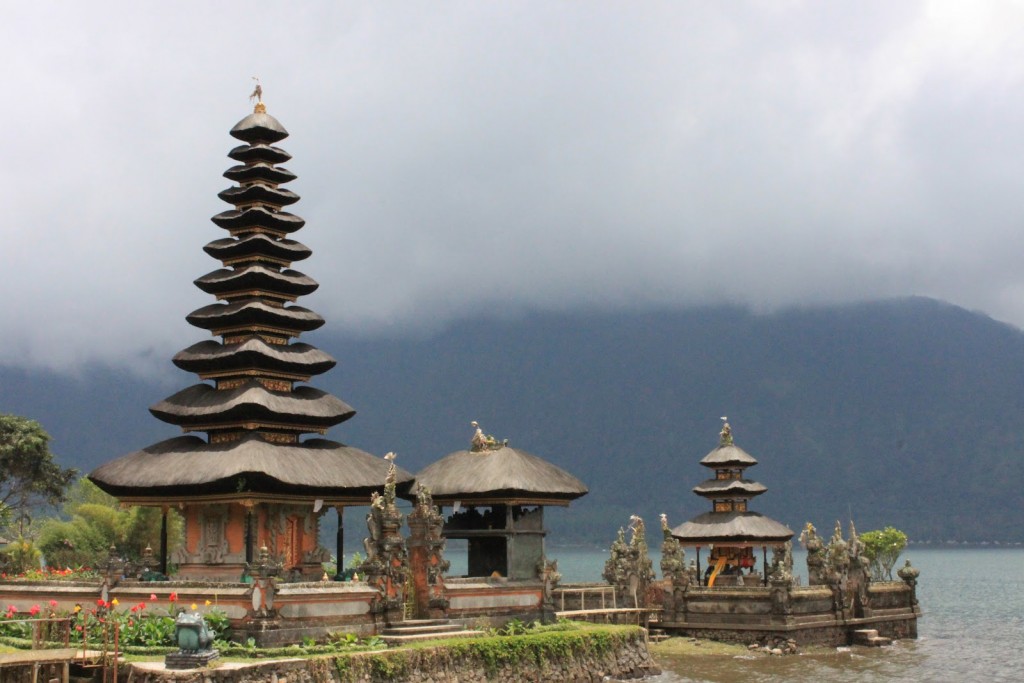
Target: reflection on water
[972, 628]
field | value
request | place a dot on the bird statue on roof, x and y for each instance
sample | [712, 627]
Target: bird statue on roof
[484, 442]
[257, 93]
[726, 433]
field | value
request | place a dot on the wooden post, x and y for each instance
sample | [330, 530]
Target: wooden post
[700, 578]
[339, 540]
[163, 540]
[249, 530]
[764, 555]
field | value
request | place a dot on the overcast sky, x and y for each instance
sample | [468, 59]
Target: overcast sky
[465, 158]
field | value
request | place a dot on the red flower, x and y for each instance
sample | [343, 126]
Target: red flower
[173, 597]
[53, 603]
[100, 603]
[34, 610]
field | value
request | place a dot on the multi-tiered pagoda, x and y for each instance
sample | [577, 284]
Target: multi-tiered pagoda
[731, 530]
[253, 481]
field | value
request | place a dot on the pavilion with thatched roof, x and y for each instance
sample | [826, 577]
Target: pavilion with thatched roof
[497, 494]
[730, 530]
[253, 481]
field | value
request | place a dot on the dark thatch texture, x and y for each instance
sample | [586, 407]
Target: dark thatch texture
[252, 402]
[257, 244]
[288, 282]
[728, 456]
[737, 527]
[212, 356]
[741, 488]
[260, 171]
[465, 475]
[258, 217]
[259, 153]
[254, 312]
[259, 127]
[249, 194]
[190, 465]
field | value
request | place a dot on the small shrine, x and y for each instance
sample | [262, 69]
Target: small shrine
[731, 531]
[497, 496]
[243, 476]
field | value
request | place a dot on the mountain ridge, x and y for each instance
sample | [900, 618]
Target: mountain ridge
[906, 412]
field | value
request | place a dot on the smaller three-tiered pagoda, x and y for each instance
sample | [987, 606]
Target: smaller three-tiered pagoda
[731, 529]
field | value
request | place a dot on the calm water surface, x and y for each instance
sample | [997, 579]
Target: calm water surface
[972, 628]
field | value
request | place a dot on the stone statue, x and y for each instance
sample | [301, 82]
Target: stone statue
[374, 525]
[614, 567]
[673, 557]
[387, 564]
[815, 555]
[909, 575]
[782, 563]
[726, 433]
[837, 557]
[484, 442]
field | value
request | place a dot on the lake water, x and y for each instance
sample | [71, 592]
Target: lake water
[972, 628]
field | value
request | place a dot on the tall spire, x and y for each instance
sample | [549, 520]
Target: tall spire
[256, 367]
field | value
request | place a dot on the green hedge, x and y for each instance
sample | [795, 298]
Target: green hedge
[492, 653]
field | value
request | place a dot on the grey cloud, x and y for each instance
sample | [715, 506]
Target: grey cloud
[498, 157]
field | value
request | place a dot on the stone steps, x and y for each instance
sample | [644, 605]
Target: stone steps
[656, 635]
[868, 637]
[413, 630]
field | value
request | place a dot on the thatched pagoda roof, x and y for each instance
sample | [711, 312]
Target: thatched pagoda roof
[713, 488]
[259, 153]
[247, 173]
[728, 455]
[500, 475]
[735, 527]
[265, 194]
[224, 281]
[239, 220]
[214, 357]
[259, 127]
[254, 312]
[202, 404]
[256, 245]
[189, 466]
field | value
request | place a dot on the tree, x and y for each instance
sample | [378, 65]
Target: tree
[29, 477]
[883, 548]
[92, 521]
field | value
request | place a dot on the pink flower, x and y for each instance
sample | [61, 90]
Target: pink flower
[34, 610]
[152, 597]
[53, 603]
